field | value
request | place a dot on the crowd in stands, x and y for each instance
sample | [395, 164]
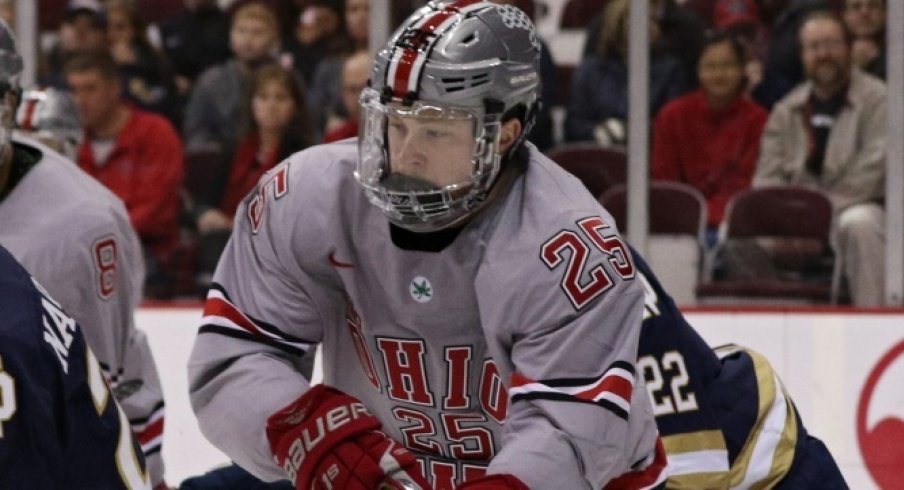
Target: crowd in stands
[180, 118]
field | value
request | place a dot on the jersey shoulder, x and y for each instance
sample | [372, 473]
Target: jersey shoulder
[313, 189]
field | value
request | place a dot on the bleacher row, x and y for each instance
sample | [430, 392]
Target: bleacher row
[797, 219]
[602, 169]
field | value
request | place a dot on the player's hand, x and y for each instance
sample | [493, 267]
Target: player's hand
[494, 482]
[327, 439]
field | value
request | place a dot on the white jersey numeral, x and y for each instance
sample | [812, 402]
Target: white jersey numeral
[7, 397]
[674, 397]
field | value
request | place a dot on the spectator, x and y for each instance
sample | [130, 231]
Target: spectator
[8, 13]
[324, 97]
[782, 69]
[136, 154]
[146, 76]
[195, 41]
[710, 138]
[680, 29]
[318, 34]
[355, 74]
[83, 28]
[279, 127]
[742, 19]
[214, 110]
[866, 21]
[598, 106]
[829, 133]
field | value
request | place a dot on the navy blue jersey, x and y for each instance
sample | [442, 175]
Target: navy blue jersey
[59, 425]
[725, 418]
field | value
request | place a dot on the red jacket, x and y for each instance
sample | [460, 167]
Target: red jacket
[247, 169]
[348, 129]
[145, 170]
[714, 151]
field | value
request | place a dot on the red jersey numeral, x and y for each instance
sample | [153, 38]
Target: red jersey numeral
[580, 292]
[277, 180]
[105, 261]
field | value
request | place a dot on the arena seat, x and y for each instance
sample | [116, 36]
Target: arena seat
[791, 227]
[598, 167]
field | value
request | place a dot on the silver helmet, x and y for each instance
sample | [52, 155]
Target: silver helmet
[455, 68]
[50, 116]
[10, 73]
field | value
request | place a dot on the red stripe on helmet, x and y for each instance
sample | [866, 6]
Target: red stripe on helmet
[405, 63]
[28, 120]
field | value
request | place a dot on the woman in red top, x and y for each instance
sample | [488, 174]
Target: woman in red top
[710, 138]
[278, 127]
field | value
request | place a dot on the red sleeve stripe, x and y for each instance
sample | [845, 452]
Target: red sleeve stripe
[150, 433]
[648, 478]
[613, 388]
[219, 311]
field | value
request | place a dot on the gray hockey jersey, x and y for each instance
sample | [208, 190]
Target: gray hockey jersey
[74, 236]
[511, 350]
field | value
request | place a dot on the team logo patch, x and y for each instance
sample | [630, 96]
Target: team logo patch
[421, 290]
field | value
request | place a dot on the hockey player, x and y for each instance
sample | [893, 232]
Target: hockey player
[59, 425]
[74, 236]
[725, 419]
[496, 274]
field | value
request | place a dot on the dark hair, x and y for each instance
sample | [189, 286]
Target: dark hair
[98, 60]
[831, 16]
[138, 25]
[298, 133]
[718, 36]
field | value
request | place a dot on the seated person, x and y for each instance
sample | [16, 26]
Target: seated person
[214, 111]
[710, 138]
[598, 106]
[279, 127]
[134, 153]
[355, 74]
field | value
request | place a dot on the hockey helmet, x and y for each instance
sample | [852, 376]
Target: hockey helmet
[10, 73]
[451, 73]
[50, 116]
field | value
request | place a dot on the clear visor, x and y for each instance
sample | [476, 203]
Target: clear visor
[418, 148]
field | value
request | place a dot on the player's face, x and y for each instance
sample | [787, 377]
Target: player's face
[273, 106]
[434, 151]
[95, 97]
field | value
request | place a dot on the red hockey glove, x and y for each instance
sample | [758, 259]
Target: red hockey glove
[494, 482]
[328, 440]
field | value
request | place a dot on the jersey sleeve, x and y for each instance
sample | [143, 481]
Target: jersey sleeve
[259, 319]
[108, 271]
[59, 423]
[568, 324]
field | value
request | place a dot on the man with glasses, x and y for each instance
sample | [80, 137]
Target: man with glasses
[829, 133]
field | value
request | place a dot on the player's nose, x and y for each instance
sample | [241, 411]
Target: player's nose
[410, 153]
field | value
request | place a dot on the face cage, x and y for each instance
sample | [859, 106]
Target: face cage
[423, 210]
